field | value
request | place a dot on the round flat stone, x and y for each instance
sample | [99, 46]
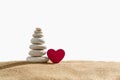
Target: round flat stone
[38, 29]
[37, 35]
[37, 47]
[37, 32]
[37, 53]
[37, 41]
[37, 59]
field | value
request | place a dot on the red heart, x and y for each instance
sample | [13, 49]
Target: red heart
[55, 56]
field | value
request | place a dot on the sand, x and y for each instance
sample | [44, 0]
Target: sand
[67, 70]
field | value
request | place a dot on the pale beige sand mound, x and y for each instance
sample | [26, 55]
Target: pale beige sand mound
[69, 70]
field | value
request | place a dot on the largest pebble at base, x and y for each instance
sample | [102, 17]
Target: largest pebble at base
[37, 59]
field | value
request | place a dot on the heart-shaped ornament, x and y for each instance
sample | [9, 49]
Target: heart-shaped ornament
[56, 56]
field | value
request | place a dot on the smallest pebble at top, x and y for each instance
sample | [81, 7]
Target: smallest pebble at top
[38, 29]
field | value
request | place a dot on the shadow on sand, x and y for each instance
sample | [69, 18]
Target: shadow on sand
[19, 63]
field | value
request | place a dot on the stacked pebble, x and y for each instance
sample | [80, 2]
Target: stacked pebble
[37, 52]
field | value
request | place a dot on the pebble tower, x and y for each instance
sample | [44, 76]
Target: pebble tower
[37, 49]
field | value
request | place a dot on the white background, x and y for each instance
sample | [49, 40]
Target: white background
[85, 29]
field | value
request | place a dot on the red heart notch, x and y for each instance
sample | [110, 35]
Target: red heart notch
[56, 56]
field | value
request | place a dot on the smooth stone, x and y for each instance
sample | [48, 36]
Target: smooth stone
[37, 32]
[38, 29]
[37, 59]
[37, 35]
[37, 47]
[37, 41]
[37, 53]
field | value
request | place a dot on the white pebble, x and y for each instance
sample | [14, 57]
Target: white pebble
[37, 47]
[37, 53]
[37, 41]
[37, 35]
[37, 59]
[38, 29]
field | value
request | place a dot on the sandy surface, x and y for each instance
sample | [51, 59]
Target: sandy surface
[67, 70]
